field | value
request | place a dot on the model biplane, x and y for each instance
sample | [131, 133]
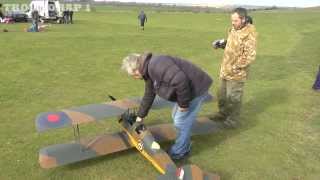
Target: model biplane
[133, 135]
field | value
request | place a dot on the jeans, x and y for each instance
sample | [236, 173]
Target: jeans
[183, 122]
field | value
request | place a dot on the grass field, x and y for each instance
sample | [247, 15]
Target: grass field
[78, 64]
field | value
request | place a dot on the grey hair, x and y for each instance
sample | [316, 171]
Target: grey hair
[130, 63]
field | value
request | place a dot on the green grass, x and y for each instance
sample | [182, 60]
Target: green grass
[72, 65]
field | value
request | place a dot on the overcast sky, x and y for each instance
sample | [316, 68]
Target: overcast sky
[291, 3]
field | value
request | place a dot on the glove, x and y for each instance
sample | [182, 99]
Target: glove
[138, 126]
[220, 43]
[139, 119]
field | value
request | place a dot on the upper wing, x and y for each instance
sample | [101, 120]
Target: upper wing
[93, 112]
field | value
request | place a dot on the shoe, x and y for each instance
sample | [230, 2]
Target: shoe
[229, 124]
[217, 117]
[178, 156]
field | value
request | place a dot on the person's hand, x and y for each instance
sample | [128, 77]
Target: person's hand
[183, 109]
[139, 119]
[215, 44]
[218, 43]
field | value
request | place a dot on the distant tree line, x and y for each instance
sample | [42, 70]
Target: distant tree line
[158, 7]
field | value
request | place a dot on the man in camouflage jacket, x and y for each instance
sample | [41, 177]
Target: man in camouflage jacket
[239, 53]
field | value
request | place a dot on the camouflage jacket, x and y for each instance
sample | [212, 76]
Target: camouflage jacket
[240, 51]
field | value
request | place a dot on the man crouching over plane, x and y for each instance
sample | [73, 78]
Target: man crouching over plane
[176, 80]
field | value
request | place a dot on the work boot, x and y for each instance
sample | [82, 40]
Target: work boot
[229, 123]
[217, 117]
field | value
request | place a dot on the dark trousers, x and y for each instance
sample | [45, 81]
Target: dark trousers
[71, 19]
[230, 99]
[142, 23]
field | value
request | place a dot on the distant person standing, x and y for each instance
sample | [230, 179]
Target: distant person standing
[1, 14]
[143, 18]
[239, 53]
[65, 17]
[35, 20]
[316, 85]
[71, 17]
